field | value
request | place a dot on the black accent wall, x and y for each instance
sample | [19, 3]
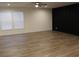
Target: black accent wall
[66, 19]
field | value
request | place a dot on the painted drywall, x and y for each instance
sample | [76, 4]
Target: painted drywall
[35, 20]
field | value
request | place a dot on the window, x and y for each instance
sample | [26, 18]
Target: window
[11, 20]
[18, 20]
[5, 20]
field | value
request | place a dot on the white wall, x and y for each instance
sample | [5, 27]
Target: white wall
[36, 20]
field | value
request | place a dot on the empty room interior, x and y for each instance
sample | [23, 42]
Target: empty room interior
[39, 29]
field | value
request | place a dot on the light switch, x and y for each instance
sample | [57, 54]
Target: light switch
[56, 28]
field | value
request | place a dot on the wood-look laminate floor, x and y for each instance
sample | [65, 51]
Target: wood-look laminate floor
[39, 44]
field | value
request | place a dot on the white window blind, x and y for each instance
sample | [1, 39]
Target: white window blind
[5, 20]
[18, 20]
[11, 20]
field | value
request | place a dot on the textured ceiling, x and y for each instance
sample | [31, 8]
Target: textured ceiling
[30, 4]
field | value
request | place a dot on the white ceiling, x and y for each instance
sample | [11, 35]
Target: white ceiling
[30, 4]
